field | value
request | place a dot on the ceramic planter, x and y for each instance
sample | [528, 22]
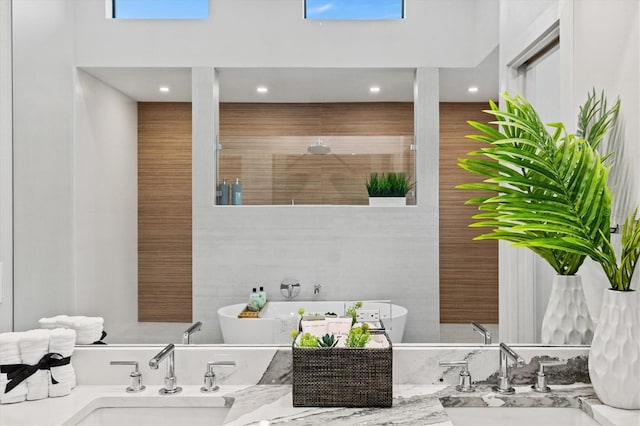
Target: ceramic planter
[566, 320]
[614, 357]
[388, 201]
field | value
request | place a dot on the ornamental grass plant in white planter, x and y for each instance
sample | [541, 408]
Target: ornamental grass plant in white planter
[388, 190]
[544, 187]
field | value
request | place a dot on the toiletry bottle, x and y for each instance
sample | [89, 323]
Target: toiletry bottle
[254, 301]
[263, 296]
[236, 193]
[224, 193]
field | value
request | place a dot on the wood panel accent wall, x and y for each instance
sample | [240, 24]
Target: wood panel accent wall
[468, 269]
[317, 119]
[164, 212]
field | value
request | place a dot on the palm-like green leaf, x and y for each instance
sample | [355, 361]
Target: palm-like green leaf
[620, 274]
[594, 119]
[548, 189]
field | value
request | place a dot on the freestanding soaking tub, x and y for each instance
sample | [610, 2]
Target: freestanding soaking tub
[277, 319]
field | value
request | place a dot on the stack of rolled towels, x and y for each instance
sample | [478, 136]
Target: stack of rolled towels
[36, 364]
[88, 329]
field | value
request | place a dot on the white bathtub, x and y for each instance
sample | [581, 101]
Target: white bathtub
[279, 318]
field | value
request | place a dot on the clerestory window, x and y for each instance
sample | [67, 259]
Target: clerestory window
[160, 9]
[353, 9]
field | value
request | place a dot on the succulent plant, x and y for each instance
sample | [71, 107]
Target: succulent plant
[328, 341]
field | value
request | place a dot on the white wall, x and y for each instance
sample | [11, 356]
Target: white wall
[599, 48]
[106, 203]
[43, 85]
[6, 191]
[355, 252]
[273, 34]
[607, 57]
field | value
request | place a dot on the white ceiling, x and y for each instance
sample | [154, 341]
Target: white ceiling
[304, 84]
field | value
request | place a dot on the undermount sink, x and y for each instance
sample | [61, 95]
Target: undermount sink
[522, 416]
[160, 410]
[155, 416]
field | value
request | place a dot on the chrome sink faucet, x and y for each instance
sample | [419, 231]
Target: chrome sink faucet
[170, 378]
[483, 331]
[197, 326]
[504, 384]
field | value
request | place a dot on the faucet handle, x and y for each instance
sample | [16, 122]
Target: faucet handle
[464, 381]
[135, 378]
[210, 377]
[540, 384]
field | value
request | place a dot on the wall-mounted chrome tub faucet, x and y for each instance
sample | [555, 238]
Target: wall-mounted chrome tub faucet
[170, 378]
[197, 326]
[483, 331]
[290, 288]
[316, 288]
[504, 384]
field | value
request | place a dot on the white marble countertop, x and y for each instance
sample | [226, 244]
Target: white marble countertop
[272, 404]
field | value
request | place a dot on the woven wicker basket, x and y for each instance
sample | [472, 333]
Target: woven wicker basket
[342, 377]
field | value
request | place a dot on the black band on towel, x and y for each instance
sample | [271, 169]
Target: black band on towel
[17, 373]
[99, 341]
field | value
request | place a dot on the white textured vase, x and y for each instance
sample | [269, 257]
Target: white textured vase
[567, 319]
[614, 357]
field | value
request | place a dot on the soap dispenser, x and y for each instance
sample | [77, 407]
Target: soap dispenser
[236, 193]
[254, 301]
[224, 193]
[263, 296]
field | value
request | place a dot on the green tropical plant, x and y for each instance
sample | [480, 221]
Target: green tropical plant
[619, 273]
[544, 188]
[388, 185]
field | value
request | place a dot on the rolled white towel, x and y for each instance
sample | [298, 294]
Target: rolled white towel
[62, 341]
[52, 322]
[88, 329]
[34, 344]
[65, 321]
[10, 354]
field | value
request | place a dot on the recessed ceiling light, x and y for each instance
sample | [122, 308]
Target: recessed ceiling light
[472, 89]
[164, 89]
[262, 89]
[374, 89]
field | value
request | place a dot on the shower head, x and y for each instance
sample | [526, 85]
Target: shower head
[319, 148]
